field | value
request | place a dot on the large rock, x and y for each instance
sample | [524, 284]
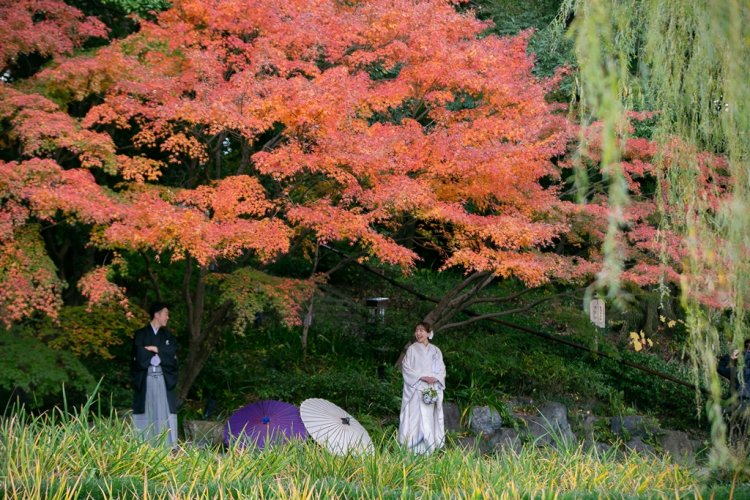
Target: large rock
[505, 439]
[451, 417]
[551, 427]
[588, 426]
[556, 414]
[632, 426]
[204, 433]
[590, 435]
[499, 441]
[468, 443]
[637, 445]
[596, 447]
[677, 444]
[485, 420]
[699, 445]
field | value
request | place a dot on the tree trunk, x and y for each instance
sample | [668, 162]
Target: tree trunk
[307, 323]
[245, 157]
[311, 304]
[201, 340]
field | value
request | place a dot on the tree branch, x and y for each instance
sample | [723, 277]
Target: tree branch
[498, 300]
[506, 312]
[218, 152]
[219, 315]
[453, 301]
[272, 142]
[199, 299]
[152, 276]
[186, 286]
[466, 283]
[341, 263]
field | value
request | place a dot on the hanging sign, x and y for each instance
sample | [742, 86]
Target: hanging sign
[596, 312]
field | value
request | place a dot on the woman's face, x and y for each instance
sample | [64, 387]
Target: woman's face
[421, 334]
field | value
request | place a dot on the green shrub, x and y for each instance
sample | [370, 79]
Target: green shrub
[37, 374]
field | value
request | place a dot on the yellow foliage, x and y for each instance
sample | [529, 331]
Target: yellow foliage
[640, 341]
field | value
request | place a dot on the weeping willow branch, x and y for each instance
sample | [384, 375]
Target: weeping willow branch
[688, 62]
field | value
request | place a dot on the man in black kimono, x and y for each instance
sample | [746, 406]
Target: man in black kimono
[739, 411]
[154, 377]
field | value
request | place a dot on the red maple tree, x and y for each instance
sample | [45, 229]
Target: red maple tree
[231, 128]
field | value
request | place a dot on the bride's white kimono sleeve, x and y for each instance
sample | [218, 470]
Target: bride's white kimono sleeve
[421, 426]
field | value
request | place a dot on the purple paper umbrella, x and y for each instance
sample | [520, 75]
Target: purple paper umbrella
[263, 423]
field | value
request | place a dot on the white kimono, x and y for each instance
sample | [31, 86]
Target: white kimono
[421, 426]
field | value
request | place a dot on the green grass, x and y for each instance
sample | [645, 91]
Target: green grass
[58, 455]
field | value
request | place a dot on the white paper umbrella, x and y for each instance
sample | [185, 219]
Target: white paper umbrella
[333, 428]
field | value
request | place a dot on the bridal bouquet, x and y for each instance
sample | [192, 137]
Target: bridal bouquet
[430, 396]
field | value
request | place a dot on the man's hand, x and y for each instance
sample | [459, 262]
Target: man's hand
[152, 348]
[735, 354]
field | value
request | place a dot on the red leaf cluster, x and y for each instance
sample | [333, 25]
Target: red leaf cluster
[44, 27]
[233, 126]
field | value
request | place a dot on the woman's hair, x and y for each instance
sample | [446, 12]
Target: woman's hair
[425, 325]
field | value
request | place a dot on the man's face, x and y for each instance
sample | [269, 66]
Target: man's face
[161, 318]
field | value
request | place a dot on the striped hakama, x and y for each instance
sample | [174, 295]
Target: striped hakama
[156, 425]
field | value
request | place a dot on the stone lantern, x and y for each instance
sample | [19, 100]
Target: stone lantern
[376, 307]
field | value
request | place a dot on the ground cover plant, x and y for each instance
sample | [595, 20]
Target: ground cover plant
[64, 455]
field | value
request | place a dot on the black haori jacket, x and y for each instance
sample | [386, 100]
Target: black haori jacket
[141, 361]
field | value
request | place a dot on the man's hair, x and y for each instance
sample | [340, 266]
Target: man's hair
[747, 344]
[155, 308]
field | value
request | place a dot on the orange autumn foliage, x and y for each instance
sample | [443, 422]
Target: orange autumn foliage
[44, 27]
[231, 127]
